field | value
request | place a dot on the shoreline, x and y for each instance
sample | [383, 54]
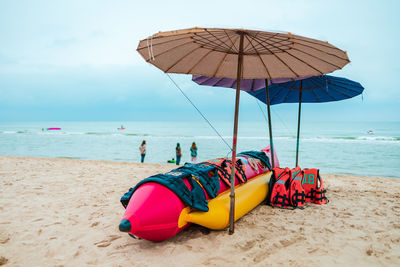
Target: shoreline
[172, 165]
[66, 212]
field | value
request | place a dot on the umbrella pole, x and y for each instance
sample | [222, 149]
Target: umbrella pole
[298, 123]
[269, 125]
[235, 128]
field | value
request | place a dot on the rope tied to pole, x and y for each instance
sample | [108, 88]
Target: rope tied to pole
[198, 110]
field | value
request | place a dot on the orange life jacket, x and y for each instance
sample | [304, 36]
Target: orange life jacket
[224, 168]
[313, 187]
[286, 189]
[279, 193]
[296, 191]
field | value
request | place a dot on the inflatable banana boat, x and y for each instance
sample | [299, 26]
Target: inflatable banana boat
[161, 206]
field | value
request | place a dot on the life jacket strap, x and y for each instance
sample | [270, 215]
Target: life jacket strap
[311, 195]
[298, 198]
[320, 195]
[280, 201]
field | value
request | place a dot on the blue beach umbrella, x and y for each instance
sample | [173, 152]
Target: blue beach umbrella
[318, 89]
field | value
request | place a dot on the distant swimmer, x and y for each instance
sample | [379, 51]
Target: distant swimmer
[122, 128]
[370, 132]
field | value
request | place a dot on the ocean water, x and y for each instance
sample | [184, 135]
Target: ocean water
[340, 148]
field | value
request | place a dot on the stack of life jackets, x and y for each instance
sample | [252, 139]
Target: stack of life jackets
[224, 168]
[292, 188]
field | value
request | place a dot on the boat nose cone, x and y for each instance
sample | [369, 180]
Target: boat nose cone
[125, 226]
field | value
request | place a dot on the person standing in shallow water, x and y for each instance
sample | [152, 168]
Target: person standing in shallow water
[193, 152]
[142, 150]
[178, 153]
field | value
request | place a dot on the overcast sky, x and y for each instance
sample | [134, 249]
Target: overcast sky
[77, 60]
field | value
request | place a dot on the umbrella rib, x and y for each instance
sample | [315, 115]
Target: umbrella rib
[322, 51]
[315, 85]
[230, 39]
[304, 62]
[173, 65]
[321, 88]
[250, 43]
[315, 95]
[208, 79]
[344, 87]
[297, 75]
[222, 60]
[286, 97]
[266, 69]
[284, 63]
[326, 91]
[186, 35]
[201, 58]
[220, 79]
[311, 55]
[276, 36]
[316, 42]
[161, 43]
[258, 92]
[347, 83]
[213, 43]
[272, 97]
[340, 92]
[166, 51]
[261, 42]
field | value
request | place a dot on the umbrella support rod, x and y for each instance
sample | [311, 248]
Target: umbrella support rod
[298, 123]
[271, 143]
[235, 128]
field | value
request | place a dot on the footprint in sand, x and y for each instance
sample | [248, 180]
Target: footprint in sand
[106, 243]
[369, 251]
[313, 250]
[247, 246]
[215, 261]
[3, 260]
[287, 242]
[102, 244]
[4, 238]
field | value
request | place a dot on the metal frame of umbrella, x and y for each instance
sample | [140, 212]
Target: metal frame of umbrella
[240, 54]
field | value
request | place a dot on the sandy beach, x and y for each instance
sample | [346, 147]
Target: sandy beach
[63, 212]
